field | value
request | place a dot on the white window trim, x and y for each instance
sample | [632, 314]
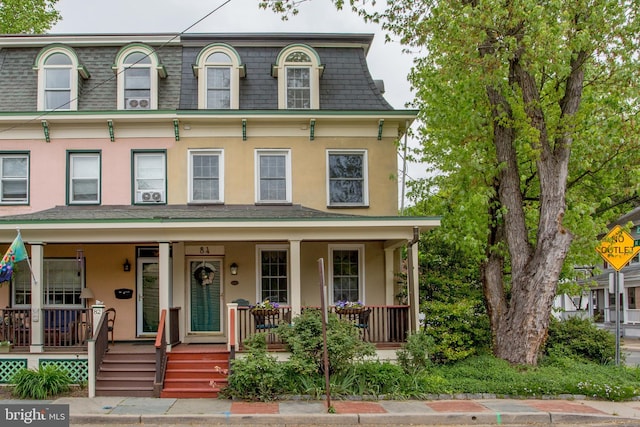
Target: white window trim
[361, 264]
[288, 177]
[316, 69]
[17, 202]
[237, 70]
[259, 249]
[73, 155]
[136, 191]
[156, 70]
[365, 175]
[216, 152]
[74, 69]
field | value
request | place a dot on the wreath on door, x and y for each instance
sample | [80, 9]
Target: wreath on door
[205, 274]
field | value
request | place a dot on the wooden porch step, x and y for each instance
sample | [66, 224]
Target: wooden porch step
[124, 391]
[127, 374]
[193, 373]
[190, 393]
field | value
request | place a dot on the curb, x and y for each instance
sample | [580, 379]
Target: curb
[448, 419]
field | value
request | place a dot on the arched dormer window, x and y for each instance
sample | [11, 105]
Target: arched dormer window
[138, 69]
[298, 71]
[58, 68]
[218, 69]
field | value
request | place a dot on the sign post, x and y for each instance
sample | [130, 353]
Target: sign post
[617, 249]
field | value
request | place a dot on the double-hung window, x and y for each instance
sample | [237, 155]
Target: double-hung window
[137, 81]
[206, 170]
[347, 175]
[298, 71]
[14, 178]
[273, 172]
[138, 68]
[219, 69]
[298, 87]
[58, 69]
[62, 282]
[273, 274]
[57, 82]
[149, 176]
[84, 178]
[346, 273]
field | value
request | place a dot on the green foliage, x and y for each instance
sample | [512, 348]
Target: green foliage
[304, 339]
[413, 357]
[459, 329]
[487, 374]
[581, 338]
[27, 16]
[46, 382]
[258, 376]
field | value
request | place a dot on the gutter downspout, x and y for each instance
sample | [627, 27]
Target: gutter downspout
[412, 281]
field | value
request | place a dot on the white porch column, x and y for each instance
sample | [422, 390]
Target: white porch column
[389, 282]
[37, 321]
[164, 284]
[296, 295]
[414, 298]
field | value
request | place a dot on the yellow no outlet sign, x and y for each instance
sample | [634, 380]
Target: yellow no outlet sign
[617, 248]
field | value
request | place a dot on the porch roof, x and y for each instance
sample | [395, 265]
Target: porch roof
[195, 222]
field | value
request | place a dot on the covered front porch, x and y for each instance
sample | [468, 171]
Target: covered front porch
[140, 260]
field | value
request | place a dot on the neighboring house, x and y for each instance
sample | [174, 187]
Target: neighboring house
[181, 174]
[599, 301]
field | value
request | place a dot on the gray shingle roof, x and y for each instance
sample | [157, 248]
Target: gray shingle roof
[345, 85]
[172, 212]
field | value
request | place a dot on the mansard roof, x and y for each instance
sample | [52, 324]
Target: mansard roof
[346, 83]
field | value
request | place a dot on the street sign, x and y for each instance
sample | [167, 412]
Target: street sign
[617, 248]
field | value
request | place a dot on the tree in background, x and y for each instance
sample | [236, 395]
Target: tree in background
[27, 16]
[528, 113]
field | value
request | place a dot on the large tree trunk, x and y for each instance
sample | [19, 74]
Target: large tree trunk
[519, 323]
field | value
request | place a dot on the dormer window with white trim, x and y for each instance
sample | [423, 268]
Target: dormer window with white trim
[138, 70]
[218, 69]
[58, 69]
[298, 71]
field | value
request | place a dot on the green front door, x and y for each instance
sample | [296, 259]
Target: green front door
[205, 295]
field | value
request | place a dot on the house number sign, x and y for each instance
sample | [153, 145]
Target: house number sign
[204, 250]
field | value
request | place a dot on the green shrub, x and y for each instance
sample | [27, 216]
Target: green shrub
[304, 339]
[414, 354]
[459, 329]
[258, 376]
[580, 338]
[44, 383]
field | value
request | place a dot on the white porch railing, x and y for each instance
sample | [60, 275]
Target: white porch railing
[632, 316]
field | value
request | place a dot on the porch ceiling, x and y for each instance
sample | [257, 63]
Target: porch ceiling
[113, 224]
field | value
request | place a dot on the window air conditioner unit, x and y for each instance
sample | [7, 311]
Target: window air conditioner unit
[152, 196]
[137, 103]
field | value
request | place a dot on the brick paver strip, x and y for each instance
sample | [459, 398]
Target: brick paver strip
[562, 406]
[254, 408]
[346, 407]
[456, 406]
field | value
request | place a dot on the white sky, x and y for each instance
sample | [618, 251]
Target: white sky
[386, 60]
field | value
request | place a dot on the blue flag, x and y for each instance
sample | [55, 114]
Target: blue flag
[16, 253]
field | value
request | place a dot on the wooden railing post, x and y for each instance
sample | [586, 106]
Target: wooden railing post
[232, 326]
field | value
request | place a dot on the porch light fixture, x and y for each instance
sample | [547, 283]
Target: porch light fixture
[233, 268]
[79, 259]
[126, 266]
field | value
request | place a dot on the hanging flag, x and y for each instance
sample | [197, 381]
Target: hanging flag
[16, 253]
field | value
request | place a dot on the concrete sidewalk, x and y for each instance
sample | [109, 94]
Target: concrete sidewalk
[479, 412]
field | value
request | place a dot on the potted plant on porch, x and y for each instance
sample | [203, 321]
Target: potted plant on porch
[5, 346]
[349, 307]
[265, 307]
